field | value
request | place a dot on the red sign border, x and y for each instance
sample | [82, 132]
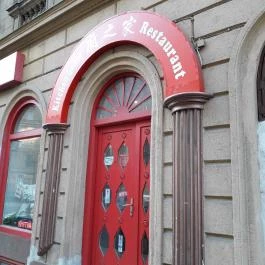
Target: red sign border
[18, 72]
[177, 58]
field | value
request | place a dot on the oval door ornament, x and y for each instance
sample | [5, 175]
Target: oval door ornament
[182, 72]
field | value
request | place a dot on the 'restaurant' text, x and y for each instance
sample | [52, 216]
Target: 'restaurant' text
[166, 45]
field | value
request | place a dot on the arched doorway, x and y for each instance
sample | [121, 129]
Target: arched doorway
[182, 95]
[120, 167]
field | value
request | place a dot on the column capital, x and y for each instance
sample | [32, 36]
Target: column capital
[59, 128]
[188, 100]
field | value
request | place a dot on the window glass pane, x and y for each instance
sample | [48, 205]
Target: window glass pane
[29, 119]
[103, 114]
[106, 197]
[136, 89]
[142, 95]
[119, 243]
[21, 183]
[123, 96]
[143, 106]
[108, 157]
[146, 197]
[145, 247]
[104, 240]
[119, 85]
[123, 155]
[106, 103]
[112, 96]
[146, 152]
[129, 83]
[121, 197]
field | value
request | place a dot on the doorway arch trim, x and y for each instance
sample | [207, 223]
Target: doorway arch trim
[181, 70]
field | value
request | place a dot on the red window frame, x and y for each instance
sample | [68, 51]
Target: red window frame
[8, 136]
[10, 261]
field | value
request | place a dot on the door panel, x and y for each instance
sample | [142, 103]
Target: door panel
[144, 196]
[121, 205]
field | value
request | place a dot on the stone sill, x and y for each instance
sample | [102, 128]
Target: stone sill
[47, 23]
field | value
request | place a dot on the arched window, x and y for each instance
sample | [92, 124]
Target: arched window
[261, 87]
[126, 97]
[21, 144]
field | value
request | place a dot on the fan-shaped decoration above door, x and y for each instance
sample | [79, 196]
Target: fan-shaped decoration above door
[124, 96]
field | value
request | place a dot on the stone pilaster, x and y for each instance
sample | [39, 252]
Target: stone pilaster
[187, 177]
[53, 172]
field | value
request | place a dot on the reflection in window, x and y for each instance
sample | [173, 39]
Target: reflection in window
[29, 119]
[123, 155]
[108, 157]
[121, 197]
[22, 169]
[146, 152]
[146, 197]
[119, 243]
[106, 197]
[104, 240]
[145, 248]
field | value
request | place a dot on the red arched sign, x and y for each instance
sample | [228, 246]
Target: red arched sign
[177, 58]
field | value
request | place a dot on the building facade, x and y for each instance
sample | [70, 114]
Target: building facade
[132, 132]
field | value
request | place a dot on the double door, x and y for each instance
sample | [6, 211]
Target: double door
[122, 195]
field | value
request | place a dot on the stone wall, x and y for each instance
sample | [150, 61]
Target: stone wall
[6, 22]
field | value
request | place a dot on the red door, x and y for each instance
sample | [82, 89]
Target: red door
[121, 205]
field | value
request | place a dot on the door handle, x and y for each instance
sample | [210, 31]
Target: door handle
[131, 204]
